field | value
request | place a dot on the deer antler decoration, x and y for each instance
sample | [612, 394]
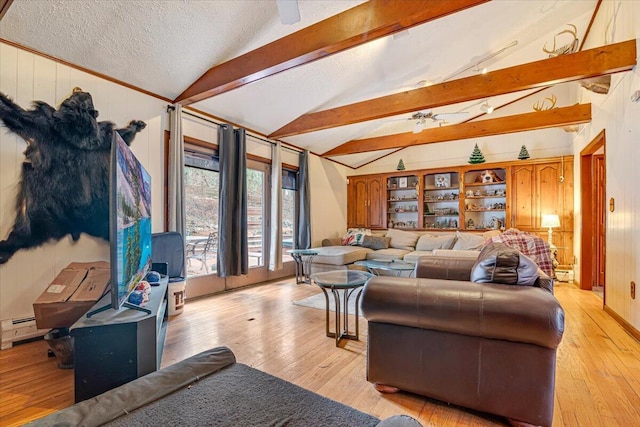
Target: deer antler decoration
[565, 49]
[542, 106]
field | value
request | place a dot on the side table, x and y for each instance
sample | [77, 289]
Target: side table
[347, 281]
[303, 258]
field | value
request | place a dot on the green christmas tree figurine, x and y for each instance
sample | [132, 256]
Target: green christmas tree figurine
[524, 154]
[476, 156]
[400, 166]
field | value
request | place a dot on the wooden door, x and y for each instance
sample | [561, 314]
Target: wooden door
[523, 197]
[357, 202]
[376, 203]
[600, 207]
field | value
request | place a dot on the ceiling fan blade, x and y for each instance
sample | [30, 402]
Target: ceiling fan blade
[288, 11]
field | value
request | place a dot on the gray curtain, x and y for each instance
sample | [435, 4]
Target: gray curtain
[233, 252]
[275, 248]
[303, 232]
[175, 176]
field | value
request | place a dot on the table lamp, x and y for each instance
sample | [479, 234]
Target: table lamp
[550, 221]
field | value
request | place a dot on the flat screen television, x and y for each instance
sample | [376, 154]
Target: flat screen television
[129, 222]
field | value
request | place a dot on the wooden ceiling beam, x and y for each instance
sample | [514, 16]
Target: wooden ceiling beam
[599, 61]
[556, 117]
[351, 28]
[4, 7]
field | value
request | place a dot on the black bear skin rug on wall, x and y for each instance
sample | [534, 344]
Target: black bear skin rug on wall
[64, 181]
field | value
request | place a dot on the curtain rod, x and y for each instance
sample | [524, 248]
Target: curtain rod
[206, 119]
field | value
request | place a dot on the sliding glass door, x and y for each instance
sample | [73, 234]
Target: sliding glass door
[202, 198]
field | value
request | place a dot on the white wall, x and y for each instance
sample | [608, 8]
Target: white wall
[26, 77]
[619, 117]
[328, 182]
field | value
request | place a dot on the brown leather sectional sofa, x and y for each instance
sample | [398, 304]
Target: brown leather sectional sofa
[484, 346]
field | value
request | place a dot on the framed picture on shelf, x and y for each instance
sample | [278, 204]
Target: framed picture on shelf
[402, 182]
[443, 180]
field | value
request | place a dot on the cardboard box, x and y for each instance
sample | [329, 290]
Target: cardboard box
[71, 294]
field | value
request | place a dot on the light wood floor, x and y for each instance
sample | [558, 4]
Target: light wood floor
[597, 383]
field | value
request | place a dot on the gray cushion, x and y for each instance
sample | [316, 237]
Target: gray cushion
[376, 242]
[498, 263]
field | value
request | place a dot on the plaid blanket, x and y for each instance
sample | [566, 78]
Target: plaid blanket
[529, 244]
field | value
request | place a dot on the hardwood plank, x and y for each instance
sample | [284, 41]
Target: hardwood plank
[351, 28]
[597, 370]
[575, 114]
[603, 60]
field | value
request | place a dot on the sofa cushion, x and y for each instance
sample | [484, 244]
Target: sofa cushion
[498, 263]
[429, 242]
[455, 253]
[388, 254]
[401, 239]
[355, 236]
[376, 242]
[340, 255]
[468, 241]
[415, 255]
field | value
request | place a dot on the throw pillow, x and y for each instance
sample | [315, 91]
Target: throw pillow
[355, 236]
[401, 239]
[498, 263]
[469, 241]
[429, 242]
[376, 242]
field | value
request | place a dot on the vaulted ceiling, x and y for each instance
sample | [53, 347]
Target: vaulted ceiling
[345, 80]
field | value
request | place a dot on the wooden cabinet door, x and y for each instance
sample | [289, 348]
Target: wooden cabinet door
[358, 203]
[376, 202]
[549, 192]
[523, 197]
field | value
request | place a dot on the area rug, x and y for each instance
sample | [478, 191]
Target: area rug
[210, 389]
[242, 396]
[318, 301]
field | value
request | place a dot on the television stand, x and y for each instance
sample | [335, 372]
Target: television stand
[113, 347]
[125, 304]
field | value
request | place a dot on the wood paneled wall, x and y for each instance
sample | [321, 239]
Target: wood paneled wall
[618, 116]
[26, 77]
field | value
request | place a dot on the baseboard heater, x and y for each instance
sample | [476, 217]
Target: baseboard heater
[20, 329]
[564, 275]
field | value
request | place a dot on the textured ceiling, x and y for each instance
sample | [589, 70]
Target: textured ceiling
[164, 46]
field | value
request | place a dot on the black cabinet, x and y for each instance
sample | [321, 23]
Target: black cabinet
[114, 347]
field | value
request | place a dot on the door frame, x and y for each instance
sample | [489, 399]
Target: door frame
[588, 251]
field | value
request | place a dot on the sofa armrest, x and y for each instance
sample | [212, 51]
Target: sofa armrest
[544, 281]
[450, 268]
[443, 267]
[336, 241]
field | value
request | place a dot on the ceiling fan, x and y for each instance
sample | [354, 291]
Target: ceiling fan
[420, 118]
[288, 11]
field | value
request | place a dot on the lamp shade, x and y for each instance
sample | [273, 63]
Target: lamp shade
[550, 221]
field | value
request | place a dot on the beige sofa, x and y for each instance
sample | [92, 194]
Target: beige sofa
[402, 245]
